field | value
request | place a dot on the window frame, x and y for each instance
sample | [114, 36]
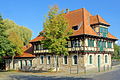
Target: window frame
[73, 60]
[48, 59]
[90, 59]
[41, 61]
[106, 59]
[65, 59]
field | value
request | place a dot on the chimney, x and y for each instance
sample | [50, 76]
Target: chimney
[67, 10]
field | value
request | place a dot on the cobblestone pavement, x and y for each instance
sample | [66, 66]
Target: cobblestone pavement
[111, 75]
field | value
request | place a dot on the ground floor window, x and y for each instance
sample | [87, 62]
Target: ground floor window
[41, 60]
[48, 59]
[29, 62]
[75, 59]
[90, 59]
[106, 59]
[65, 60]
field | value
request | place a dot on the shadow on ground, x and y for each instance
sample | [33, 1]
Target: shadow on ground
[34, 77]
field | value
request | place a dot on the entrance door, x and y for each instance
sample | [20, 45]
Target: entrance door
[98, 63]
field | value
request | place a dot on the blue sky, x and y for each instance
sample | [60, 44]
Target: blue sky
[30, 13]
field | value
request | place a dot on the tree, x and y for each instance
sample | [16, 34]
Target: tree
[24, 33]
[116, 51]
[55, 32]
[6, 48]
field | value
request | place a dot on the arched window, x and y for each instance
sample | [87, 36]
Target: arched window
[41, 59]
[106, 59]
[90, 59]
[29, 62]
[65, 60]
[75, 59]
[48, 60]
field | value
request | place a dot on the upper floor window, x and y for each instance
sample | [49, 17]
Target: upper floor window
[90, 43]
[75, 43]
[109, 44]
[38, 47]
[75, 27]
[103, 31]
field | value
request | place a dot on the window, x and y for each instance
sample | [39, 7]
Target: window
[75, 27]
[75, 43]
[41, 59]
[48, 59]
[75, 59]
[69, 43]
[65, 60]
[90, 43]
[37, 47]
[29, 62]
[106, 59]
[21, 64]
[104, 31]
[109, 44]
[104, 44]
[90, 59]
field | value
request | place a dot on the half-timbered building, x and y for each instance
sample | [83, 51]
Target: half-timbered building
[90, 47]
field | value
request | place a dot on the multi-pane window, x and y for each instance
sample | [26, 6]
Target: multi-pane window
[48, 59]
[41, 59]
[106, 59]
[109, 44]
[65, 60]
[75, 43]
[104, 31]
[90, 59]
[90, 43]
[75, 59]
[29, 62]
[37, 46]
[104, 44]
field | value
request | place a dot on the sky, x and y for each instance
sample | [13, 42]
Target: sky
[31, 13]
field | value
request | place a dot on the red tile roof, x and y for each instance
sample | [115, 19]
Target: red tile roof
[97, 20]
[27, 51]
[83, 19]
[38, 38]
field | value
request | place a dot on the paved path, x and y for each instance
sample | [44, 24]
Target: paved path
[111, 75]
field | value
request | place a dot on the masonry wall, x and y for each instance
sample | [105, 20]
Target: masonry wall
[17, 65]
[94, 66]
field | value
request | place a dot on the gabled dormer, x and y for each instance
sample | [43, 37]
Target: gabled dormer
[99, 25]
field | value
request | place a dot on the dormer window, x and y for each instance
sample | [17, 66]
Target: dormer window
[75, 27]
[103, 31]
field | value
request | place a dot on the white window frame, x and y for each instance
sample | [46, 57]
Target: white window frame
[47, 59]
[64, 60]
[73, 60]
[41, 60]
[89, 59]
[105, 59]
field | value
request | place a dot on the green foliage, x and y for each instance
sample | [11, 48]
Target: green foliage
[116, 51]
[55, 32]
[12, 38]
[24, 33]
[6, 48]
